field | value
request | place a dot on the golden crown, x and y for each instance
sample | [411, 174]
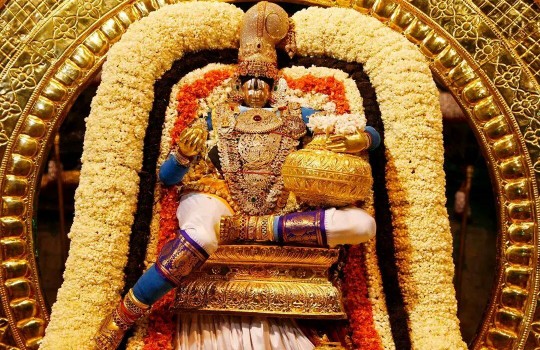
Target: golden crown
[264, 26]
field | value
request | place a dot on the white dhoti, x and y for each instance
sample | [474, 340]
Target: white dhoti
[211, 332]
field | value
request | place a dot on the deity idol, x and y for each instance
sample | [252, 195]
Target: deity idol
[248, 201]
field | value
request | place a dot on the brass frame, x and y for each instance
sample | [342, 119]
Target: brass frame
[487, 55]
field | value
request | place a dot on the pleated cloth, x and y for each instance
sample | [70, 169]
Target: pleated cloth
[211, 332]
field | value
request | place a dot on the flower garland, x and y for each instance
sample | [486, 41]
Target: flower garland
[190, 97]
[342, 124]
[329, 86]
[112, 158]
[357, 303]
[161, 324]
[412, 120]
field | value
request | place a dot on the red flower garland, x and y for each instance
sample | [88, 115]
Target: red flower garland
[357, 303]
[190, 94]
[330, 86]
[161, 323]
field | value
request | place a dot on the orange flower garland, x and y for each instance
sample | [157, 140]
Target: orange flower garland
[334, 88]
[161, 324]
[189, 95]
[357, 303]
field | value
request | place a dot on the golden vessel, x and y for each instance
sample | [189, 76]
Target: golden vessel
[321, 177]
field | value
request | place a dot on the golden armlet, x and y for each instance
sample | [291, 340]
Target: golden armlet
[114, 326]
[129, 311]
[303, 228]
[243, 228]
[179, 257]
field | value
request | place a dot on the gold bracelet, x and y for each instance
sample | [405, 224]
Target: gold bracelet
[180, 158]
[270, 228]
[134, 305]
[262, 227]
[243, 228]
[266, 228]
[251, 231]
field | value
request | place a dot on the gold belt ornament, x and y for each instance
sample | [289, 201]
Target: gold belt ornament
[264, 280]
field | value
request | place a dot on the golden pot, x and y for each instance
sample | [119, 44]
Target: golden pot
[320, 177]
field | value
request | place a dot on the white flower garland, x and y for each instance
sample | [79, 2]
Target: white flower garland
[340, 124]
[107, 194]
[412, 120]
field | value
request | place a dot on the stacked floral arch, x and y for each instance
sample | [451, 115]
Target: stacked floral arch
[113, 159]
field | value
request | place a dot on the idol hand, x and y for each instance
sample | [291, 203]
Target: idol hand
[191, 141]
[348, 143]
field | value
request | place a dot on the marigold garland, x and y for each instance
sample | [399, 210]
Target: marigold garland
[334, 88]
[357, 303]
[161, 325]
[189, 95]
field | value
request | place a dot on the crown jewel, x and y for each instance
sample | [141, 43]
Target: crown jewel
[263, 27]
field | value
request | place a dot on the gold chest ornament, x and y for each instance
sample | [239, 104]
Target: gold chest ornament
[252, 147]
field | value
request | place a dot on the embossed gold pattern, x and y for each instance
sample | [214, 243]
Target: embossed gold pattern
[252, 149]
[485, 51]
[321, 177]
[48, 50]
[256, 279]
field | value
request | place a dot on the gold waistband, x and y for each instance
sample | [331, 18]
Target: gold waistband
[264, 280]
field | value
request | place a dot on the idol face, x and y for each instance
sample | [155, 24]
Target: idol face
[256, 92]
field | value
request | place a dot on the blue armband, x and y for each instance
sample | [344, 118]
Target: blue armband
[306, 113]
[171, 171]
[209, 121]
[305, 228]
[151, 287]
[375, 137]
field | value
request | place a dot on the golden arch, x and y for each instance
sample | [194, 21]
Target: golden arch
[49, 50]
